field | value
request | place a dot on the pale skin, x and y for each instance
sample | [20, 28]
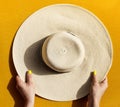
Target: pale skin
[27, 90]
[97, 90]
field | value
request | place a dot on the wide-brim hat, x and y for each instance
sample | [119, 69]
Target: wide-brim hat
[62, 44]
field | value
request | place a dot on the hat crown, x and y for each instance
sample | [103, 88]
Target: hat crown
[63, 51]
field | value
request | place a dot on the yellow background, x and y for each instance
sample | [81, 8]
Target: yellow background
[12, 15]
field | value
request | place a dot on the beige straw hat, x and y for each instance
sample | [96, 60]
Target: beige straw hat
[62, 44]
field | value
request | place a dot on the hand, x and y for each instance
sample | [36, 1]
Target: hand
[26, 89]
[96, 91]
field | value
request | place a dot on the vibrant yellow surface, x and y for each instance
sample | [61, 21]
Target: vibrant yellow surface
[14, 12]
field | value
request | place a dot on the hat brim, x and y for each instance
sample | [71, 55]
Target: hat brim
[28, 42]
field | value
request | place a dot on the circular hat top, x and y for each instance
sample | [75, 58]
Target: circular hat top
[62, 51]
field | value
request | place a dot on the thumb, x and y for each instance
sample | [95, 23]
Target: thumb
[29, 79]
[94, 78]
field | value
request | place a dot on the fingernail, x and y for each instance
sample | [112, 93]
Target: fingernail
[94, 72]
[29, 72]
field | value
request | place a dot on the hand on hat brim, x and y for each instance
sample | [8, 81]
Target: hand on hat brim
[26, 89]
[97, 90]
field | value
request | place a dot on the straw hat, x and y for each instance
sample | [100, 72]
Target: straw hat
[62, 44]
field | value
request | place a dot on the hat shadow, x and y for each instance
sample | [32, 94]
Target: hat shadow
[33, 59]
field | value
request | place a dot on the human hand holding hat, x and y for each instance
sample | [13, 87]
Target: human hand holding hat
[96, 90]
[26, 89]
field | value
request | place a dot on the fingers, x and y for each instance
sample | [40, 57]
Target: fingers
[29, 79]
[19, 82]
[104, 82]
[95, 81]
